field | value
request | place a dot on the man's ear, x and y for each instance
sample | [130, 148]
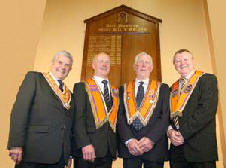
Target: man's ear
[151, 68]
[135, 67]
[70, 68]
[93, 65]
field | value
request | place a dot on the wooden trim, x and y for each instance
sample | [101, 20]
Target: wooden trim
[126, 9]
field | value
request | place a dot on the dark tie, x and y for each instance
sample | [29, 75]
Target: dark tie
[107, 98]
[140, 95]
[61, 85]
[182, 83]
[175, 119]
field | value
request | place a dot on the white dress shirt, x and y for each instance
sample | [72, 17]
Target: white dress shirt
[55, 79]
[98, 81]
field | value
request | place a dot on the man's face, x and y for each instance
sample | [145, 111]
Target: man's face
[183, 63]
[101, 65]
[61, 66]
[143, 67]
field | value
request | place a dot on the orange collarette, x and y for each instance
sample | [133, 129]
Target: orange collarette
[99, 107]
[178, 101]
[64, 96]
[145, 111]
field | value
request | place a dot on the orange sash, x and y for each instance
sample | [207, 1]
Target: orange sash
[178, 101]
[99, 107]
[145, 111]
[64, 96]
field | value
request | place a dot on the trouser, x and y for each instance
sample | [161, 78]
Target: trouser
[105, 162]
[185, 164]
[59, 164]
[177, 160]
[137, 163]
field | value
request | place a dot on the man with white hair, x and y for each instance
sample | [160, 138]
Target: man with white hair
[143, 118]
[41, 118]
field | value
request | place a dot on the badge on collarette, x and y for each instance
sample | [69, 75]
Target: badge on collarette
[188, 88]
[174, 92]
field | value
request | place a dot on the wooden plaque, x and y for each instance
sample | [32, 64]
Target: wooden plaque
[122, 33]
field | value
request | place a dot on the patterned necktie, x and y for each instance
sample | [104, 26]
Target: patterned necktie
[175, 119]
[182, 83]
[140, 95]
[61, 85]
[107, 98]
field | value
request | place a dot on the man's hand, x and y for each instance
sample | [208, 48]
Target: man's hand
[175, 137]
[89, 153]
[134, 148]
[145, 144]
[16, 154]
[69, 163]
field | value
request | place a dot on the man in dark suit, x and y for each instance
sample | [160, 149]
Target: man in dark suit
[96, 103]
[143, 118]
[193, 102]
[41, 120]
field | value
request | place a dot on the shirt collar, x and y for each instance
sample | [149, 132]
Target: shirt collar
[146, 81]
[189, 75]
[54, 78]
[99, 79]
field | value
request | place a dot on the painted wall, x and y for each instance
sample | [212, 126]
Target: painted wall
[217, 24]
[184, 25]
[20, 31]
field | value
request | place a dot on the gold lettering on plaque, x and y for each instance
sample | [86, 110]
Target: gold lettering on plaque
[123, 28]
[110, 44]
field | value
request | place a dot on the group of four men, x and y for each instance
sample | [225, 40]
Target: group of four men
[98, 122]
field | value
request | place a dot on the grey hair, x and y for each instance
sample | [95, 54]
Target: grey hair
[140, 54]
[64, 53]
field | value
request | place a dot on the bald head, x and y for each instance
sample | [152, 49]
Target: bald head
[101, 65]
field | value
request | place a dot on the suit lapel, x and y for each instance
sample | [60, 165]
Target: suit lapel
[50, 90]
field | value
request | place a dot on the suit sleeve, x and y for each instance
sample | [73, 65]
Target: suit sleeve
[160, 120]
[205, 110]
[20, 111]
[123, 128]
[81, 100]
[73, 111]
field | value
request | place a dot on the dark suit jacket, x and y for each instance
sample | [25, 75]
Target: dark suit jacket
[39, 123]
[198, 123]
[155, 130]
[103, 139]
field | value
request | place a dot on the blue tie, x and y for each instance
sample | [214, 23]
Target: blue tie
[140, 95]
[61, 85]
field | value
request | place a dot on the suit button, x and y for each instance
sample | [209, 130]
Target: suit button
[64, 127]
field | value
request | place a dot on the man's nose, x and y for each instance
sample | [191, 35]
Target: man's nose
[143, 65]
[183, 62]
[63, 66]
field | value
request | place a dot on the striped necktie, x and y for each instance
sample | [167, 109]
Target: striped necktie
[176, 118]
[182, 83]
[107, 98]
